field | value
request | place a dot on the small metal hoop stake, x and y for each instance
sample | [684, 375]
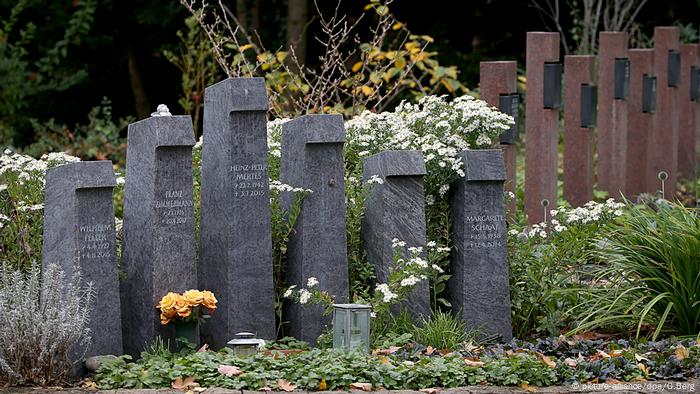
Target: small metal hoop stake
[545, 203]
[663, 175]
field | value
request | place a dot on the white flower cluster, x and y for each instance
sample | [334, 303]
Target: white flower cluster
[375, 179]
[312, 282]
[441, 130]
[304, 296]
[35, 207]
[590, 212]
[59, 158]
[288, 293]
[274, 136]
[409, 281]
[283, 187]
[27, 167]
[387, 294]
[396, 243]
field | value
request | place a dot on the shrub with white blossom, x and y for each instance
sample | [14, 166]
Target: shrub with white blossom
[546, 259]
[441, 130]
[22, 204]
[410, 268]
[437, 127]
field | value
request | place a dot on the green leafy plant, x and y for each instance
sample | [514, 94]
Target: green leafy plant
[650, 277]
[540, 363]
[21, 205]
[198, 67]
[25, 82]
[99, 139]
[545, 261]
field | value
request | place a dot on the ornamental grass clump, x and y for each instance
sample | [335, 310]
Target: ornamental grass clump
[649, 278]
[44, 325]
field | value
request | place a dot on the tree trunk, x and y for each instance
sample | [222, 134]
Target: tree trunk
[297, 17]
[141, 104]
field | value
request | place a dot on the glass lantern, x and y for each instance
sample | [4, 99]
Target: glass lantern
[245, 344]
[351, 326]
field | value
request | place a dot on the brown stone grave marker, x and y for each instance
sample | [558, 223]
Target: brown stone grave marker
[498, 79]
[612, 113]
[664, 137]
[579, 144]
[639, 126]
[541, 126]
[689, 111]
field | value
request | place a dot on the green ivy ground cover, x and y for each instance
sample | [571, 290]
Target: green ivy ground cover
[554, 361]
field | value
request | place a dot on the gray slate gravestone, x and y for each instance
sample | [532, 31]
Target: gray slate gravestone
[312, 158]
[79, 231]
[479, 288]
[158, 244]
[396, 209]
[236, 235]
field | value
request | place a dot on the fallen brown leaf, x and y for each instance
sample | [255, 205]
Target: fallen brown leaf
[361, 386]
[545, 359]
[384, 360]
[612, 381]
[431, 390]
[681, 353]
[229, 370]
[639, 357]
[429, 350]
[322, 385]
[527, 387]
[470, 347]
[390, 350]
[617, 353]
[184, 384]
[472, 363]
[285, 385]
[89, 384]
[265, 388]
[203, 349]
[644, 369]
[570, 362]
[599, 356]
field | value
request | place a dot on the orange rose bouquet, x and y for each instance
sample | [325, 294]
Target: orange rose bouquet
[188, 307]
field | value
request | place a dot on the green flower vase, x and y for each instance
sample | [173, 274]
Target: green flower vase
[186, 331]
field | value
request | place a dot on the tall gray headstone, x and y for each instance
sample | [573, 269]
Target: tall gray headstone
[79, 233]
[396, 209]
[158, 248]
[479, 288]
[236, 229]
[312, 158]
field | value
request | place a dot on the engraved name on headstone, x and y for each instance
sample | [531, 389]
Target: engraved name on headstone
[236, 235]
[158, 244]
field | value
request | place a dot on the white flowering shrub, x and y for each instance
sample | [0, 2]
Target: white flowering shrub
[410, 268]
[22, 204]
[43, 325]
[546, 261]
[437, 127]
[441, 130]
